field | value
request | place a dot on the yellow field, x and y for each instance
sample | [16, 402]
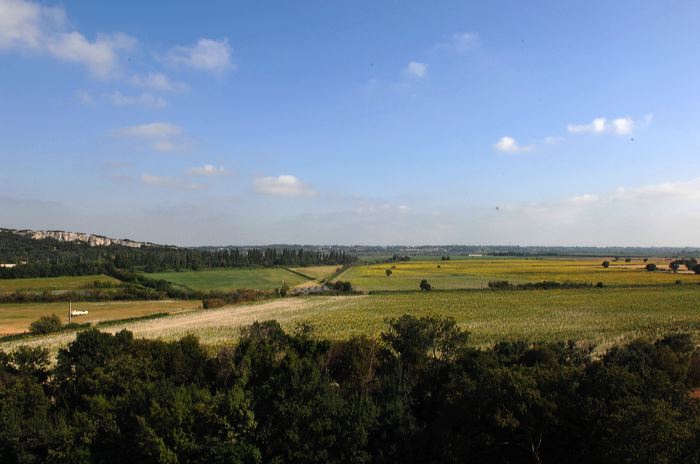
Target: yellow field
[476, 273]
[15, 318]
[52, 283]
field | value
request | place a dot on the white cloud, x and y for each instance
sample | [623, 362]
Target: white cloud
[206, 55]
[28, 26]
[416, 70]
[208, 170]
[145, 99]
[460, 42]
[158, 81]
[169, 182]
[619, 126]
[510, 145]
[161, 136]
[284, 185]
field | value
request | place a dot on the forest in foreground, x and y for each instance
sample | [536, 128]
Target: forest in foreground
[419, 392]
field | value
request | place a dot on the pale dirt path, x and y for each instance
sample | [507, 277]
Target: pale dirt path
[219, 321]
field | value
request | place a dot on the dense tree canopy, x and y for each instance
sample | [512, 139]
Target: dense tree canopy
[418, 393]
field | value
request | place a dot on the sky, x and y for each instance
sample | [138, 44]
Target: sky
[353, 122]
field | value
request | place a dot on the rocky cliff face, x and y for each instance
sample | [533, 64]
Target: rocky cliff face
[92, 240]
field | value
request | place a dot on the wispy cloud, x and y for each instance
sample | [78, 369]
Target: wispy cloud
[416, 70]
[161, 136]
[145, 99]
[36, 28]
[460, 42]
[510, 145]
[158, 82]
[208, 170]
[84, 97]
[284, 185]
[553, 139]
[169, 182]
[205, 55]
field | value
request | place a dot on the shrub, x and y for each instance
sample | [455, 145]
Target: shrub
[388, 272]
[425, 286]
[342, 286]
[651, 267]
[45, 325]
[211, 303]
[606, 264]
[599, 285]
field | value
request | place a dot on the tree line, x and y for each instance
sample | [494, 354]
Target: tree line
[417, 393]
[51, 258]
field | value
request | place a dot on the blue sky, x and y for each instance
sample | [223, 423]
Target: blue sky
[500, 122]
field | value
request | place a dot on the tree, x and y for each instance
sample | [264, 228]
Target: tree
[651, 267]
[45, 325]
[606, 264]
[645, 259]
[674, 266]
[388, 272]
[425, 286]
[628, 260]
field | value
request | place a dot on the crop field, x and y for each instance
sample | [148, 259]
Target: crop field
[316, 272]
[52, 283]
[15, 318]
[232, 279]
[477, 272]
[599, 316]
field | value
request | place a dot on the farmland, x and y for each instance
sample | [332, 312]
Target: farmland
[232, 279]
[52, 284]
[477, 272]
[15, 318]
[600, 316]
[632, 303]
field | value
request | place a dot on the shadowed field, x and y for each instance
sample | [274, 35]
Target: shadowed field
[232, 279]
[53, 283]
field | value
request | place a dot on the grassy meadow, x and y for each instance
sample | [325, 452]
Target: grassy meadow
[232, 279]
[477, 272]
[52, 284]
[15, 318]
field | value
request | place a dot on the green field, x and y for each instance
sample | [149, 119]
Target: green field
[232, 279]
[476, 273]
[15, 318]
[52, 283]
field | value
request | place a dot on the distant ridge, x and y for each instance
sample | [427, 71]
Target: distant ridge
[89, 239]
